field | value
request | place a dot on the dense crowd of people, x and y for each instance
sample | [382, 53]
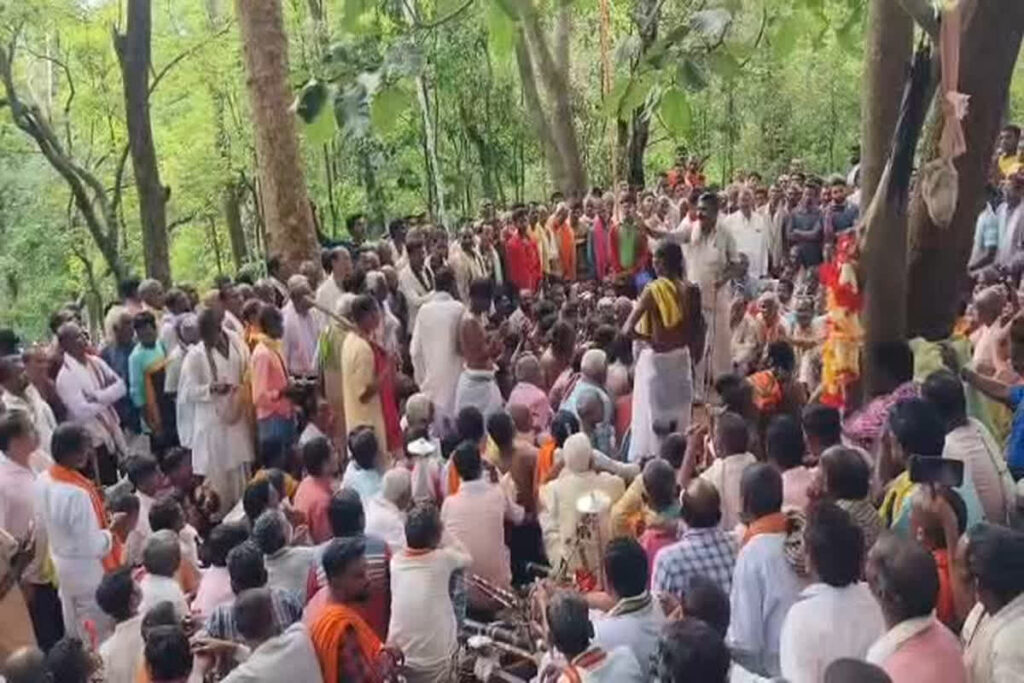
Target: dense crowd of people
[611, 404]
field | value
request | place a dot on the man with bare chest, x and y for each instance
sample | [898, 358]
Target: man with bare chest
[477, 386]
[668, 317]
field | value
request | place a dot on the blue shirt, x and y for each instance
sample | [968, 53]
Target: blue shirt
[1015, 451]
[986, 229]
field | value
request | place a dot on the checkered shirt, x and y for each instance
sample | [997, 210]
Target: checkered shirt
[700, 552]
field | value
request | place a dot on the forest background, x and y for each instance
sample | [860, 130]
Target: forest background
[406, 106]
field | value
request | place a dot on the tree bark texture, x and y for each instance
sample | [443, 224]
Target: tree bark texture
[990, 44]
[232, 198]
[888, 43]
[541, 127]
[133, 53]
[884, 249]
[556, 85]
[286, 209]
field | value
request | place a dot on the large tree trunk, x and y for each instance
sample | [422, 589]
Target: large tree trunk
[883, 261]
[133, 52]
[990, 45]
[532, 101]
[555, 77]
[286, 210]
[888, 43]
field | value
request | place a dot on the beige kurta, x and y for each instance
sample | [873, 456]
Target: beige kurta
[16, 630]
[358, 373]
[707, 257]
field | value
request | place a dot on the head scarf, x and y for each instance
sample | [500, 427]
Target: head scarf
[577, 453]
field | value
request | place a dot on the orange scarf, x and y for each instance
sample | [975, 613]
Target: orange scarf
[767, 390]
[328, 632]
[774, 523]
[545, 462]
[68, 476]
[567, 250]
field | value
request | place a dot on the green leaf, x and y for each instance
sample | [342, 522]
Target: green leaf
[848, 34]
[501, 31]
[613, 101]
[723, 64]
[691, 75]
[636, 94]
[316, 112]
[388, 105]
[711, 23]
[786, 36]
[353, 12]
[676, 113]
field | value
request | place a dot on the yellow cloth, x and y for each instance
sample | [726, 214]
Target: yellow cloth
[894, 497]
[1009, 164]
[667, 300]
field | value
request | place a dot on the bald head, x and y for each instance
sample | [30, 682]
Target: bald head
[418, 411]
[162, 554]
[989, 303]
[528, 370]
[26, 665]
[254, 615]
[521, 417]
[854, 671]
[659, 484]
[396, 487]
[702, 505]
[731, 435]
[594, 366]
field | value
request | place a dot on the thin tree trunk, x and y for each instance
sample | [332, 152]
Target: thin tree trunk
[990, 44]
[888, 44]
[286, 209]
[233, 217]
[133, 53]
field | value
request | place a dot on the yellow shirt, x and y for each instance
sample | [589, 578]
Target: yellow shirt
[1009, 164]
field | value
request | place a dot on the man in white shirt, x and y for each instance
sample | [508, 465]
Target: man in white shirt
[765, 583]
[338, 265]
[89, 389]
[122, 652]
[81, 543]
[969, 441]
[17, 393]
[571, 634]
[837, 616]
[301, 329]
[276, 655]
[423, 623]
[731, 459]
[287, 566]
[161, 558]
[221, 439]
[436, 362]
[636, 619]
[750, 229]
[385, 512]
[415, 279]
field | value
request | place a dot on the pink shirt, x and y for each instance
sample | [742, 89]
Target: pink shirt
[312, 498]
[795, 482]
[534, 398]
[932, 655]
[269, 379]
[214, 590]
[475, 516]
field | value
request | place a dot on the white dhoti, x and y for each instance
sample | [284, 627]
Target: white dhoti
[662, 393]
[478, 388]
[717, 360]
[80, 608]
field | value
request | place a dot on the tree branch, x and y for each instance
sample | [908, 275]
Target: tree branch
[454, 14]
[159, 75]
